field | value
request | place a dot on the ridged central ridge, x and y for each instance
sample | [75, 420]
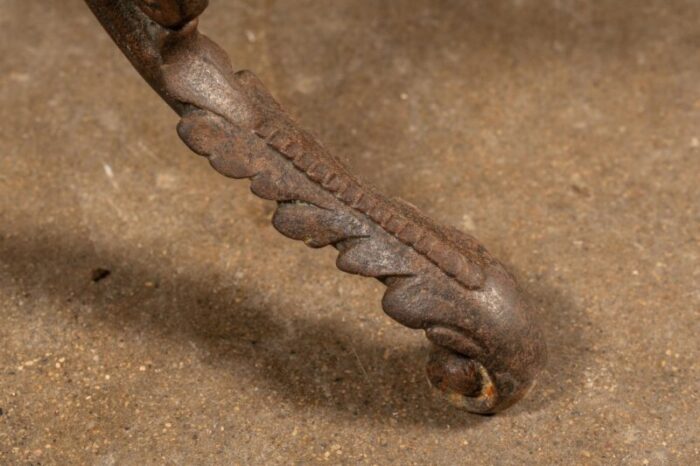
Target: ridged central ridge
[333, 179]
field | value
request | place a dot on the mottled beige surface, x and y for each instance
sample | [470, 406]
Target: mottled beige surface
[565, 134]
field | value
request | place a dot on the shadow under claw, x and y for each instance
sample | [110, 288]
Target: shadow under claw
[322, 363]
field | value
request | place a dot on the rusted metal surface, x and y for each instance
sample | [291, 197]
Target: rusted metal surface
[487, 349]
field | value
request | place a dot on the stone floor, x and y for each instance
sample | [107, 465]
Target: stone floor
[564, 134]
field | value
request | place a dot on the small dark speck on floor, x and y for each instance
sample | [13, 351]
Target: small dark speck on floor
[99, 274]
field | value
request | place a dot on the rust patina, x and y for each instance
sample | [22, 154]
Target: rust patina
[487, 349]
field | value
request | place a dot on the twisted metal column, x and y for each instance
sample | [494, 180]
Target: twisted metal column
[486, 347]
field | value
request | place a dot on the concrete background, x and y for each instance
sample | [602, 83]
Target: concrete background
[564, 134]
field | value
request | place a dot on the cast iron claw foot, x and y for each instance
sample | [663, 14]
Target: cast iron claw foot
[486, 347]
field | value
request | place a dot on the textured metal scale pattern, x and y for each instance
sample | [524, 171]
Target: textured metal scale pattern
[487, 349]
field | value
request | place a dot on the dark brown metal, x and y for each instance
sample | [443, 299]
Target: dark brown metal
[486, 347]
